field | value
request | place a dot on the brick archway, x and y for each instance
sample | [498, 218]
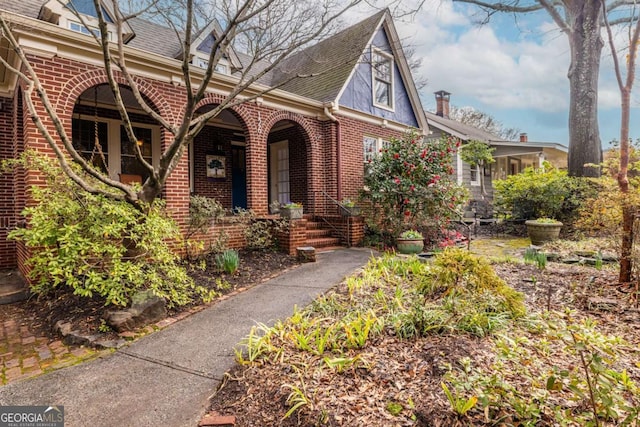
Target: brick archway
[73, 88]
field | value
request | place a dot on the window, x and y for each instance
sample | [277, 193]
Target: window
[129, 165]
[80, 28]
[114, 154]
[372, 147]
[201, 62]
[84, 141]
[474, 177]
[382, 67]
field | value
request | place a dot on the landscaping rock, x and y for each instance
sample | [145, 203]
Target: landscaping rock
[602, 304]
[589, 261]
[146, 309]
[609, 257]
[570, 260]
[586, 254]
[552, 256]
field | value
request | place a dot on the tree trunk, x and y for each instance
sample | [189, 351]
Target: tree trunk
[628, 210]
[626, 264]
[586, 48]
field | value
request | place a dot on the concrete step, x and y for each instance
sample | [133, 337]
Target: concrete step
[12, 287]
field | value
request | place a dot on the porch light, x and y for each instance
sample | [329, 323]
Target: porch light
[140, 143]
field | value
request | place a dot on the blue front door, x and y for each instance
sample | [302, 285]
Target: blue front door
[239, 177]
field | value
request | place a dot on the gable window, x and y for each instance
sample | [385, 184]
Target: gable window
[81, 28]
[382, 69]
[220, 68]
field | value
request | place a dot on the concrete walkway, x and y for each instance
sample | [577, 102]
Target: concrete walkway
[165, 379]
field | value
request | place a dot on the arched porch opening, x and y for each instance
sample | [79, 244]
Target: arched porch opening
[99, 136]
[218, 160]
[288, 164]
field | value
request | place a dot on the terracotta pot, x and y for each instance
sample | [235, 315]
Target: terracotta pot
[542, 232]
[409, 246]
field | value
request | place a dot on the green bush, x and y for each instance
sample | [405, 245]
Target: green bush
[544, 192]
[471, 288]
[203, 212]
[100, 247]
[259, 233]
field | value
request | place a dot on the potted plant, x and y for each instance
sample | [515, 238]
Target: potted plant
[543, 230]
[348, 208]
[291, 210]
[410, 242]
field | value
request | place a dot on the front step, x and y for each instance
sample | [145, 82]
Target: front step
[323, 242]
[12, 287]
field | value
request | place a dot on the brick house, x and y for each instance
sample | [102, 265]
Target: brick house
[305, 141]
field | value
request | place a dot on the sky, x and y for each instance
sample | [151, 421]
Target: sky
[513, 68]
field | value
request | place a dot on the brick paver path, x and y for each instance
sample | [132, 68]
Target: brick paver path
[24, 355]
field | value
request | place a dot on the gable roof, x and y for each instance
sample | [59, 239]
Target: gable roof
[471, 133]
[328, 63]
[460, 130]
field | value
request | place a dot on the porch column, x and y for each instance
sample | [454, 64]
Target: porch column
[177, 189]
[257, 178]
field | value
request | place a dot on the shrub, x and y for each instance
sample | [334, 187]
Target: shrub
[259, 233]
[203, 212]
[100, 247]
[458, 273]
[409, 185]
[228, 261]
[544, 192]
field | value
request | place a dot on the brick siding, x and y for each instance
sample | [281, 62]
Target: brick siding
[312, 145]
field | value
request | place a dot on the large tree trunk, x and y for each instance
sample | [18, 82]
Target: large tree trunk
[586, 47]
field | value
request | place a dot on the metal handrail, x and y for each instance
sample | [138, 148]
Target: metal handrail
[323, 216]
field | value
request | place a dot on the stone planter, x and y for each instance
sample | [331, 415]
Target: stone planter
[350, 211]
[542, 232]
[409, 246]
[291, 213]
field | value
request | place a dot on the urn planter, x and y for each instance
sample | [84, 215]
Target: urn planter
[542, 232]
[409, 246]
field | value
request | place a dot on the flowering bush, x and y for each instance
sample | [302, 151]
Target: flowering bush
[410, 185]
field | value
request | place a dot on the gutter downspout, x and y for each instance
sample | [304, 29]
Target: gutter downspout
[334, 119]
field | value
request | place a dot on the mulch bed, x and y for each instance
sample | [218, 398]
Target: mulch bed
[42, 313]
[407, 371]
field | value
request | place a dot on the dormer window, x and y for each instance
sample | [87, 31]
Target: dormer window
[382, 76]
[222, 67]
[65, 14]
[80, 28]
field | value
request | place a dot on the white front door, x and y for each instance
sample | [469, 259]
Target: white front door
[279, 152]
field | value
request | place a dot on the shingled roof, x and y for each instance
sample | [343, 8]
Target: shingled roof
[318, 72]
[327, 65]
[461, 130]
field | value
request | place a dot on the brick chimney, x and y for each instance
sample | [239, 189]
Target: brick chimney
[442, 103]
[524, 137]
